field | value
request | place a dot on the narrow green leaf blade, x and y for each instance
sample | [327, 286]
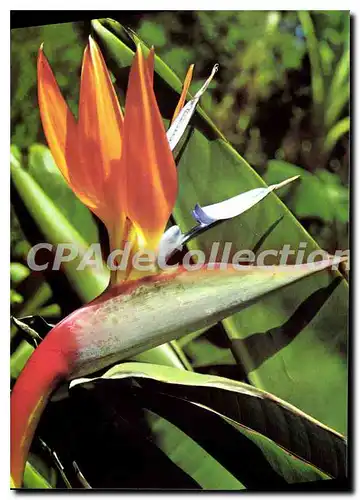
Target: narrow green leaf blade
[270, 423]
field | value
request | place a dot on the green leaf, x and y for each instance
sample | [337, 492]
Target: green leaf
[24, 350]
[33, 479]
[317, 79]
[284, 342]
[209, 351]
[15, 297]
[19, 358]
[52, 310]
[339, 89]
[36, 301]
[316, 195]
[43, 169]
[336, 132]
[18, 272]
[336, 106]
[296, 447]
[153, 33]
[192, 458]
[167, 354]
[57, 229]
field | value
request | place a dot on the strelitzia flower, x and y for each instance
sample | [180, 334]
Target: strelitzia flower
[121, 166]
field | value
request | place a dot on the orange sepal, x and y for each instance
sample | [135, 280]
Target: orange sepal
[151, 171]
[184, 92]
[150, 62]
[58, 122]
[100, 134]
[61, 131]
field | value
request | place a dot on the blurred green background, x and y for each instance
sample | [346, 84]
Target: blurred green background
[281, 96]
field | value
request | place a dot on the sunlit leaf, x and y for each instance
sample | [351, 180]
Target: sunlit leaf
[43, 169]
[18, 272]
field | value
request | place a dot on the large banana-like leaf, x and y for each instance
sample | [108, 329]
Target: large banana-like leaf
[189, 455]
[270, 438]
[293, 343]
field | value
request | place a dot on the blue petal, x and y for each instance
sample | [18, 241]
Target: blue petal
[234, 206]
[173, 239]
[201, 217]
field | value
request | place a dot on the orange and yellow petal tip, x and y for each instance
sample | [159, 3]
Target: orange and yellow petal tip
[139, 50]
[42, 62]
[41, 53]
[92, 45]
[91, 42]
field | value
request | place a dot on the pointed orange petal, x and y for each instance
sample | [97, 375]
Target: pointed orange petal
[58, 122]
[61, 130]
[100, 133]
[185, 89]
[150, 60]
[150, 167]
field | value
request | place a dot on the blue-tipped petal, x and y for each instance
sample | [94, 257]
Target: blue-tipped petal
[173, 239]
[234, 206]
[229, 208]
[201, 217]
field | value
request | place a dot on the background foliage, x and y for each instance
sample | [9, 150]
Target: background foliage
[281, 97]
